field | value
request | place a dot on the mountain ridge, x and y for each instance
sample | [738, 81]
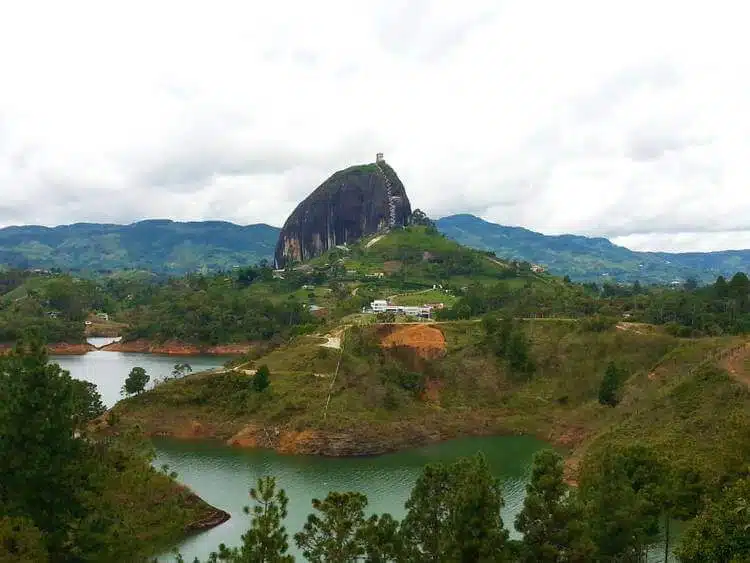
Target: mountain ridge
[591, 258]
[177, 247]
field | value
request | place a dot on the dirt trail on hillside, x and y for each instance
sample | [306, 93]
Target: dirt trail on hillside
[737, 364]
[630, 327]
[427, 341]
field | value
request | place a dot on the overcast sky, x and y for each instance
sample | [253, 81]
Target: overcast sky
[629, 120]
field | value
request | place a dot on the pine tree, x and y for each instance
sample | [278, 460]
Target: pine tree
[266, 541]
[722, 531]
[337, 532]
[617, 516]
[261, 379]
[45, 471]
[551, 519]
[610, 386]
[454, 514]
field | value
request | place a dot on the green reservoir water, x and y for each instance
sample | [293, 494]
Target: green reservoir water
[223, 476]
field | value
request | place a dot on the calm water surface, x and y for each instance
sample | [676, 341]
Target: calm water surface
[223, 476]
[108, 370]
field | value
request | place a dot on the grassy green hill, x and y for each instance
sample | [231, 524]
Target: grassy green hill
[591, 259]
[434, 382]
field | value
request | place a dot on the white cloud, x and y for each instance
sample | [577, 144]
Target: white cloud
[629, 121]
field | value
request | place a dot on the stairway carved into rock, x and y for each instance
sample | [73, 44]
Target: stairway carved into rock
[389, 195]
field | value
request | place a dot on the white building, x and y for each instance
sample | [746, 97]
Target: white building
[382, 306]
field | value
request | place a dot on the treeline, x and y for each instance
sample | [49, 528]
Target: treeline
[529, 299]
[719, 308]
[64, 497]
[213, 310]
[623, 506]
[52, 307]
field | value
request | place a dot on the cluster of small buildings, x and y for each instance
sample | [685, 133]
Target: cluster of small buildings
[382, 306]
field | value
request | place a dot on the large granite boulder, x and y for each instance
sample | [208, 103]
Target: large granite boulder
[353, 203]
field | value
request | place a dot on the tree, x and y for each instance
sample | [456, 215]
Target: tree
[45, 473]
[618, 518]
[721, 288]
[181, 370]
[382, 539]
[266, 541]
[87, 402]
[518, 354]
[551, 519]
[610, 386]
[261, 379]
[506, 338]
[136, 381]
[691, 284]
[338, 534]
[454, 514]
[21, 541]
[722, 531]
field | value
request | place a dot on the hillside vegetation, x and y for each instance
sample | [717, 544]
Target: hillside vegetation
[161, 246]
[591, 259]
[169, 247]
[391, 392]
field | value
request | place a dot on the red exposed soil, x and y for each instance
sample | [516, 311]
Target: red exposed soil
[427, 341]
[431, 393]
[173, 347]
[59, 348]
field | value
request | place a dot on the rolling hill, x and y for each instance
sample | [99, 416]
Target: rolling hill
[171, 247]
[591, 259]
[160, 246]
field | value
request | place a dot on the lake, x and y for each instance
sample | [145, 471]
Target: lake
[222, 476]
[108, 370]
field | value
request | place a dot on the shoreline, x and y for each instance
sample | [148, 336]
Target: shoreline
[57, 348]
[176, 348]
[169, 348]
[360, 441]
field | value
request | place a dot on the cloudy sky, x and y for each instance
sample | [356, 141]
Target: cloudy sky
[629, 120]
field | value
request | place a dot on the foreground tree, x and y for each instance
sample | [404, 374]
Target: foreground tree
[337, 534]
[619, 519]
[454, 514]
[21, 541]
[136, 381]
[722, 531]
[266, 541]
[47, 479]
[552, 517]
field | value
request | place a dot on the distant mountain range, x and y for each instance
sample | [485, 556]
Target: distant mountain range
[160, 246]
[591, 259]
[171, 247]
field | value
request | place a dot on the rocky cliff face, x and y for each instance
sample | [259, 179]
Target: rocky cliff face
[355, 202]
